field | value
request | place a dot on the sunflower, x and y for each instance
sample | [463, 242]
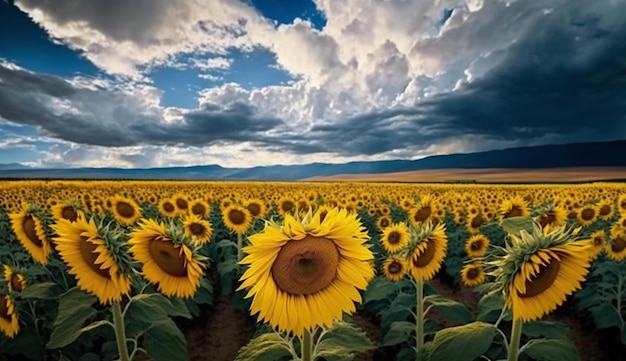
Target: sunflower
[65, 210]
[181, 202]
[285, 205]
[383, 222]
[616, 248]
[473, 274]
[237, 218]
[395, 237]
[14, 280]
[476, 246]
[167, 259]
[605, 210]
[474, 222]
[429, 244]
[514, 207]
[538, 270]
[621, 204]
[395, 268]
[587, 215]
[598, 242]
[9, 323]
[167, 208]
[29, 230]
[554, 216]
[423, 212]
[88, 256]
[306, 273]
[200, 208]
[198, 228]
[256, 207]
[125, 210]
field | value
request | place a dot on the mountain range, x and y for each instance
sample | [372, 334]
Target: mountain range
[590, 154]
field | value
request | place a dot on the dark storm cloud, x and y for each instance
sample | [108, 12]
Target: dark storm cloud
[565, 77]
[112, 118]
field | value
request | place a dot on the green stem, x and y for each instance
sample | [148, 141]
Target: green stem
[419, 323]
[120, 332]
[239, 246]
[516, 334]
[619, 294]
[307, 346]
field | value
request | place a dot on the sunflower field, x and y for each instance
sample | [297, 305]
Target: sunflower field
[123, 270]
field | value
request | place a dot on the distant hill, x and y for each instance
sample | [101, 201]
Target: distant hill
[596, 154]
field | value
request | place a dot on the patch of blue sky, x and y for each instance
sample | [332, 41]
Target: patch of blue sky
[256, 69]
[25, 43]
[285, 11]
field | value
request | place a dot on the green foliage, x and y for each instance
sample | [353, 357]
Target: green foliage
[555, 349]
[342, 342]
[461, 343]
[75, 307]
[265, 347]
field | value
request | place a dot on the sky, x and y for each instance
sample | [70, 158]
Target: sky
[242, 83]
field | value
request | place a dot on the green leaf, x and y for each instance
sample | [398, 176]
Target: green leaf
[451, 310]
[89, 357]
[462, 343]
[400, 331]
[165, 342]
[342, 342]
[266, 347]
[545, 329]
[515, 225]
[489, 308]
[605, 315]
[144, 310]
[555, 349]
[74, 309]
[378, 289]
[42, 290]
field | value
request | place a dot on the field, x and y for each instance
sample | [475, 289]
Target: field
[104, 270]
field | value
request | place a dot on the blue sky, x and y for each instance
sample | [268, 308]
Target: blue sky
[244, 83]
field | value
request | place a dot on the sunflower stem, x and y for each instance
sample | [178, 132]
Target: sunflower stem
[419, 322]
[120, 332]
[516, 334]
[239, 246]
[307, 346]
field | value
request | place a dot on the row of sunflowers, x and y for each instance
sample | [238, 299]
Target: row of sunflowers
[105, 270]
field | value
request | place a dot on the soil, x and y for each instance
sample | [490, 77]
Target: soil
[220, 332]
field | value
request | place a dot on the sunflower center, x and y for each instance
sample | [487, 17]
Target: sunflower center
[15, 283]
[181, 203]
[236, 216]
[394, 268]
[196, 229]
[424, 259]
[198, 209]
[543, 280]
[605, 210]
[477, 221]
[598, 241]
[69, 213]
[30, 231]
[514, 212]
[168, 257]
[476, 245]
[619, 244]
[306, 266]
[90, 255]
[422, 214]
[254, 209]
[125, 210]
[287, 206]
[472, 274]
[168, 207]
[587, 214]
[384, 223]
[547, 218]
[394, 238]
[4, 308]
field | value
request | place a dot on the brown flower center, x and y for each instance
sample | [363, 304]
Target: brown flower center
[198, 209]
[255, 209]
[618, 245]
[477, 221]
[4, 308]
[168, 207]
[587, 214]
[394, 268]
[168, 257]
[514, 212]
[394, 237]
[424, 259]
[306, 266]
[605, 210]
[477, 245]
[69, 213]
[30, 231]
[15, 283]
[196, 229]
[287, 206]
[237, 217]
[422, 214]
[181, 203]
[384, 223]
[472, 274]
[597, 241]
[547, 218]
[88, 251]
[543, 280]
[125, 210]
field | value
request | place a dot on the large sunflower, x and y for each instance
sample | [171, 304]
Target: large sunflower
[539, 270]
[587, 215]
[197, 228]
[237, 218]
[85, 249]
[306, 273]
[474, 222]
[29, 230]
[428, 244]
[605, 210]
[514, 207]
[200, 208]
[256, 207]
[616, 248]
[167, 259]
[553, 216]
[167, 208]
[424, 211]
[395, 268]
[9, 323]
[472, 274]
[125, 210]
[476, 246]
[65, 210]
[14, 280]
[286, 205]
[395, 237]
